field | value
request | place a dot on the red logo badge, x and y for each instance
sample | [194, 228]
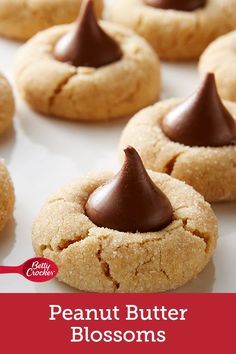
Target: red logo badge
[36, 269]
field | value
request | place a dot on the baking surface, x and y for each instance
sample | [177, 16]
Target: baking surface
[43, 153]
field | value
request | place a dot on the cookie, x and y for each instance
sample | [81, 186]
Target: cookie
[220, 58]
[175, 34]
[209, 165]
[102, 259]
[7, 104]
[7, 198]
[22, 19]
[59, 74]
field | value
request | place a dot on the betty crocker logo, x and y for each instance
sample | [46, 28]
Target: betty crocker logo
[36, 269]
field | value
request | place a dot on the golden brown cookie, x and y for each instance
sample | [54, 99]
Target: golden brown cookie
[210, 170]
[220, 58]
[7, 104]
[21, 19]
[176, 35]
[60, 89]
[7, 197]
[98, 259]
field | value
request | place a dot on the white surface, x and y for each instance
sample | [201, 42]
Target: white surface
[42, 154]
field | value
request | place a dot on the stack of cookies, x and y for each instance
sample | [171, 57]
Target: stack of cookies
[149, 227]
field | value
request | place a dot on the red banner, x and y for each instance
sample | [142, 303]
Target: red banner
[91, 323]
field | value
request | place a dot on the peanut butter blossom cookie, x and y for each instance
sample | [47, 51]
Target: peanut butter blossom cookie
[7, 105]
[7, 198]
[21, 19]
[177, 29]
[220, 58]
[137, 231]
[88, 71]
[194, 141]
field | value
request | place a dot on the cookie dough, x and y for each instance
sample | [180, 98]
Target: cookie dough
[210, 170]
[93, 258]
[7, 198]
[85, 93]
[176, 35]
[7, 104]
[21, 19]
[220, 58]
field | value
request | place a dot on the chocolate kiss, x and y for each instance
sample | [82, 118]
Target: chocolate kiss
[202, 120]
[87, 45]
[180, 5]
[130, 202]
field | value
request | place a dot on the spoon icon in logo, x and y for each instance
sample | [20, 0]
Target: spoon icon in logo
[36, 269]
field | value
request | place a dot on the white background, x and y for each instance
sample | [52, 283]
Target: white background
[43, 153]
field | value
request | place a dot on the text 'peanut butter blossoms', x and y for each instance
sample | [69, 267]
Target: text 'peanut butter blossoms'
[130, 202]
[90, 70]
[176, 29]
[137, 231]
[193, 141]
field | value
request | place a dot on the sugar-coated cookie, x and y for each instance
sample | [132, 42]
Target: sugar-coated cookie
[94, 258]
[7, 104]
[22, 19]
[88, 71]
[7, 197]
[175, 34]
[220, 58]
[205, 157]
